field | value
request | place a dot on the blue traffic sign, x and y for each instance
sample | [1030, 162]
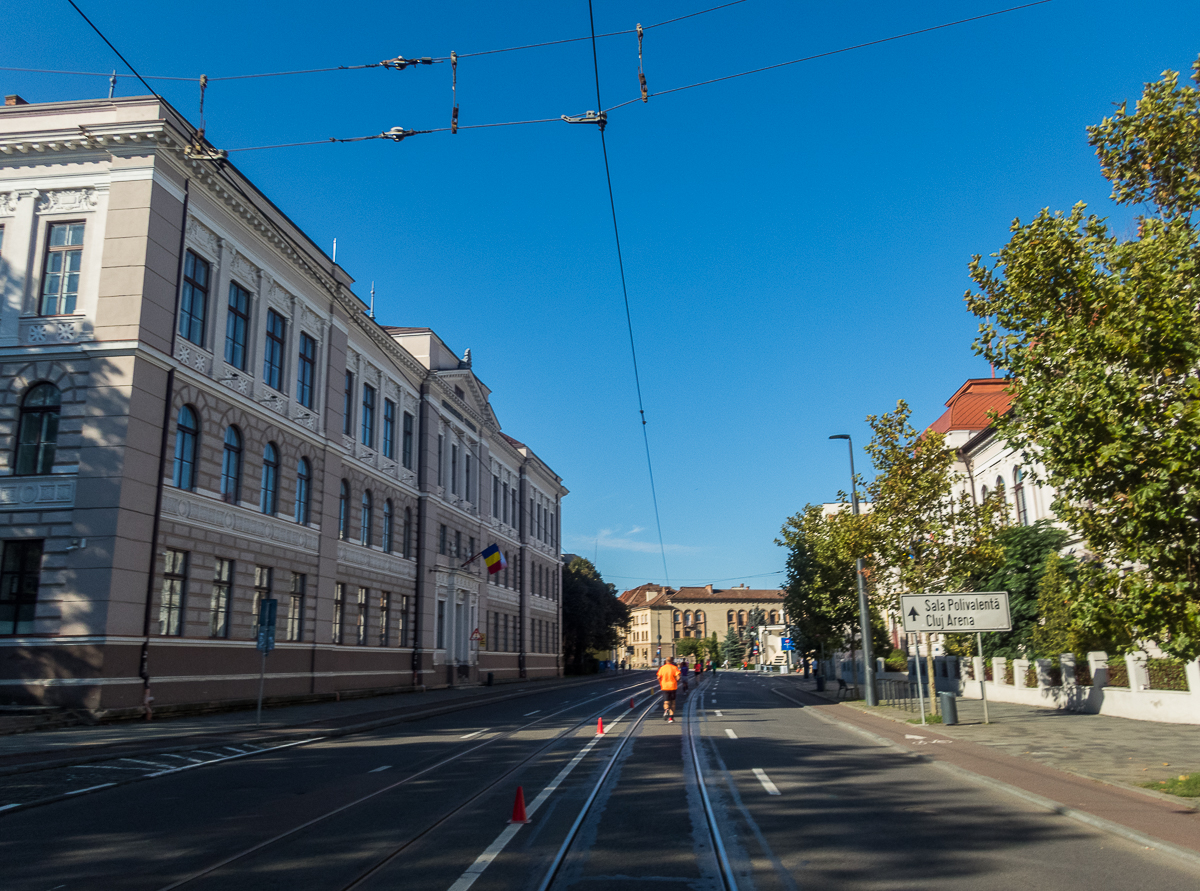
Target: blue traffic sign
[785, 644]
[266, 624]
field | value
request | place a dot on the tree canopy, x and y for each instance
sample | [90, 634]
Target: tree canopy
[1100, 336]
[593, 615]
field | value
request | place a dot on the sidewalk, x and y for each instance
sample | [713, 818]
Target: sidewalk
[42, 749]
[1113, 750]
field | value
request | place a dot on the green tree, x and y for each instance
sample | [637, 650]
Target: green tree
[712, 647]
[1101, 338]
[593, 616]
[821, 596]
[689, 646]
[732, 650]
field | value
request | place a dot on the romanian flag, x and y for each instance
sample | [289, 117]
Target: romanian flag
[494, 559]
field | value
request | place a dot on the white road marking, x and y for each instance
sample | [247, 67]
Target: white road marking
[90, 789]
[718, 714]
[913, 736]
[534, 712]
[771, 788]
[730, 733]
[104, 767]
[147, 763]
[476, 733]
[484, 860]
[378, 769]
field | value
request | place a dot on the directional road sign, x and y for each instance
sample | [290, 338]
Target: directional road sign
[785, 644]
[266, 623]
[969, 611]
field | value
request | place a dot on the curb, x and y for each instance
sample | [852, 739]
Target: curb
[1191, 857]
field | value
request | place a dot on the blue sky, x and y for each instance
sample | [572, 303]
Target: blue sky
[795, 242]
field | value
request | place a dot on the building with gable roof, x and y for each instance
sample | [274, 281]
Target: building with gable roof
[198, 414]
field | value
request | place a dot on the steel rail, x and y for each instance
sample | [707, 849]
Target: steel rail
[556, 864]
[408, 779]
[727, 874]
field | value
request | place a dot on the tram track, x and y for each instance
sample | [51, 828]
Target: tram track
[393, 853]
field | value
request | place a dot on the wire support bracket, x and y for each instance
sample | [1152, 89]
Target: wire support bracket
[600, 118]
[400, 63]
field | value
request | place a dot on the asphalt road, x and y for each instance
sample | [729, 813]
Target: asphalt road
[798, 802]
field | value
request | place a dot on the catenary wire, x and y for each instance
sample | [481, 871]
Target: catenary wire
[117, 51]
[628, 315]
[845, 49]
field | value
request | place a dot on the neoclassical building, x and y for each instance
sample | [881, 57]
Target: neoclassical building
[197, 413]
[660, 615]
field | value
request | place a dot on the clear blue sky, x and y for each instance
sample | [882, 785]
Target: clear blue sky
[796, 242]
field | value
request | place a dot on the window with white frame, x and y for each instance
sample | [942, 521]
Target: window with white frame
[60, 274]
[193, 298]
[274, 350]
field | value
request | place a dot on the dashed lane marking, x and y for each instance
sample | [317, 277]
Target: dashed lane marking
[379, 769]
[718, 714]
[475, 734]
[153, 764]
[730, 733]
[771, 788]
[534, 712]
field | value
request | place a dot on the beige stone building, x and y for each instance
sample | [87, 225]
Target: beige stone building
[660, 616]
[198, 413]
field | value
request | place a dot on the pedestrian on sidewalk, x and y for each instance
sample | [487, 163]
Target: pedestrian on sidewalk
[683, 676]
[668, 682]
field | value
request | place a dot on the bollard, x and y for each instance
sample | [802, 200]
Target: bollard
[489, 680]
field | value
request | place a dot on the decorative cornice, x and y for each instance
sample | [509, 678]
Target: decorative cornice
[196, 510]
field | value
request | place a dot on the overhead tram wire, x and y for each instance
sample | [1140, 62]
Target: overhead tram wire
[845, 49]
[625, 291]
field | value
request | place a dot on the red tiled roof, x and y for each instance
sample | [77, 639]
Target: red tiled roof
[968, 408]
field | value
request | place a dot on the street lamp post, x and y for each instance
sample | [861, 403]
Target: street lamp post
[864, 613]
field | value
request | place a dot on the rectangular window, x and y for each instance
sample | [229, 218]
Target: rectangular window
[348, 405]
[237, 326]
[495, 631]
[402, 621]
[504, 501]
[339, 608]
[360, 619]
[264, 576]
[60, 276]
[368, 415]
[174, 590]
[222, 591]
[458, 552]
[273, 354]
[408, 441]
[306, 372]
[454, 468]
[495, 496]
[471, 546]
[295, 613]
[385, 618]
[441, 461]
[20, 573]
[467, 472]
[193, 299]
[441, 625]
[442, 538]
[389, 429]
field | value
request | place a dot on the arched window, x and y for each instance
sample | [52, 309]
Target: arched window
[741, 617]
[38, 432]
[365, 526]
[387, 526]
[231, 466]
[1019, 497]
[700, 621]
[678, 617]
[687, 617]
[187, 439]
[772, 619]
[408, 533]
[729, 618]
[303, 491]
[985, 494]
[344, 511]
[268, 496]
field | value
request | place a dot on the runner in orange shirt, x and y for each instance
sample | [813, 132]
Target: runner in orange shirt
[668, 681]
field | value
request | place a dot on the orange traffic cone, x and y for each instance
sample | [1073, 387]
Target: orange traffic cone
[599, 727]
[518, 815]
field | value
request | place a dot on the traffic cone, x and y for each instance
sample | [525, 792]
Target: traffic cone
[518, 815]
[631, 705]
[599, 727]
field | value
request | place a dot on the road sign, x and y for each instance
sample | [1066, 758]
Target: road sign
[785, 644]
[476, 635]
[954, 613]
[266, 623]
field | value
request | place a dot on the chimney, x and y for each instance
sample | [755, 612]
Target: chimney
[14, 99]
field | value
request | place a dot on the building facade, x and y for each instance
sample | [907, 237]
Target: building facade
[197, 413]
[660, 615]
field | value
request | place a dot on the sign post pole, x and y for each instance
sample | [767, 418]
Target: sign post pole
[983, 673]
[917, 663]
[266, 643]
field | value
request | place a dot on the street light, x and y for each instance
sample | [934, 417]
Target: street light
[864, 614]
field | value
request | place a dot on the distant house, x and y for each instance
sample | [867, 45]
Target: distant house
[660, 615]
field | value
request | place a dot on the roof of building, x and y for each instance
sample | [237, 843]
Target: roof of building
[968, 408]
[662, 596]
